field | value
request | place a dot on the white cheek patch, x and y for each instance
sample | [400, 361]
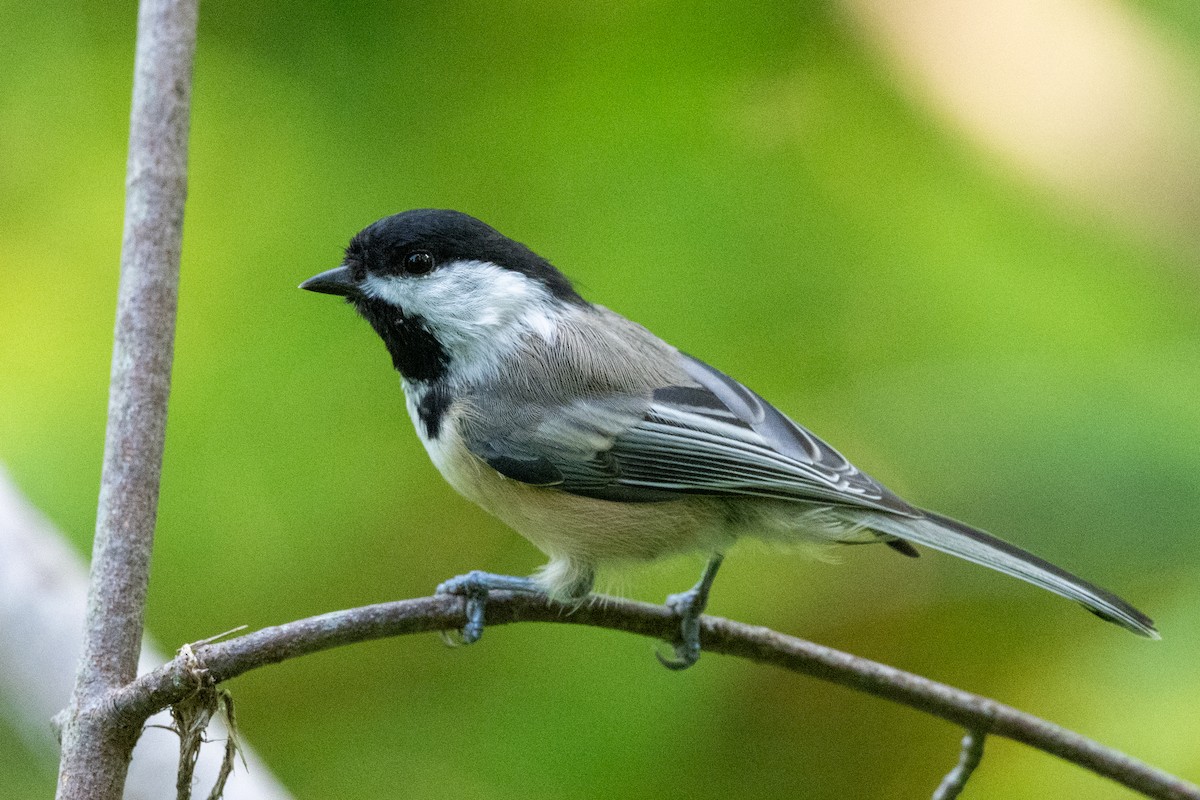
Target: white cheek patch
[478, 311]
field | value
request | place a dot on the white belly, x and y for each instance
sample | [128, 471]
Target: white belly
[567, 526]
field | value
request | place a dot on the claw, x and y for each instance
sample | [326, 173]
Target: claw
[689, 606]
[474, 587]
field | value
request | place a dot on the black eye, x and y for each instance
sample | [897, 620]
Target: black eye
[418, 262]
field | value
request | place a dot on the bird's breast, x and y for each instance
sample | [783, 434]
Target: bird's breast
[561, 524]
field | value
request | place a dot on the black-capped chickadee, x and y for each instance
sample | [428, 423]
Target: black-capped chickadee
[601, 443]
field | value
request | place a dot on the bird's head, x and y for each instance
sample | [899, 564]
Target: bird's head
[445, 291]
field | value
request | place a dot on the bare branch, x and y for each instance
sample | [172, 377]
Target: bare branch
[225, 660]
[96, 751]
[968, 759]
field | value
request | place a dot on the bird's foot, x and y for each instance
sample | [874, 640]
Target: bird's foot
[474, 587]
[688, 606]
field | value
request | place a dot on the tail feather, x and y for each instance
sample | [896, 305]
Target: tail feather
[953, 537]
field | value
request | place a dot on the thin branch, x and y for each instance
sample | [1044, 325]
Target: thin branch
[224, 660]
[968, 759]
[95, 752]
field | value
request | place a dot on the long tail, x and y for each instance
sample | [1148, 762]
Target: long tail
[953, 537]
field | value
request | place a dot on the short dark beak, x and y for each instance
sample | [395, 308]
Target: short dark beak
[332, 281]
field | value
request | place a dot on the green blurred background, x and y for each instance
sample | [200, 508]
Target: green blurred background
[1005, 333]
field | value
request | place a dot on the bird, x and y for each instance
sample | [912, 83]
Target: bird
[601, 443]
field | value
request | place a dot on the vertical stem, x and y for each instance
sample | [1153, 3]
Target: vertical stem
[96, 754]
[968, 759]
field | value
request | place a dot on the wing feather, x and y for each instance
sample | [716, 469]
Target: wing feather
[712, 436]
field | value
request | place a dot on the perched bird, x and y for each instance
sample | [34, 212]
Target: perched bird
[601, 443]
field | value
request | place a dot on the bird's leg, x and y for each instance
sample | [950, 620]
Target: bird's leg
[474, 586]
[689, 606]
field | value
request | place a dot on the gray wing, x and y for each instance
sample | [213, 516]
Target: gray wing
[712, 436]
